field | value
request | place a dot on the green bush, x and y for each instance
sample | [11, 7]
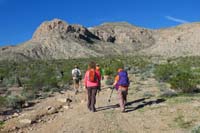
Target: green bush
[164, 72]
[3, 101]
[109, 81]
[196, 130]
[184, 81]
[29, 93]
[108, 71]
[180, 76]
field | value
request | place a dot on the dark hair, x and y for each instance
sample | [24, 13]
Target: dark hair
[92, 65]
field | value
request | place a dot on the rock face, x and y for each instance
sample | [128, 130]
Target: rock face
[57, 39]
[59, 29]
[183, 40]
[124, 33]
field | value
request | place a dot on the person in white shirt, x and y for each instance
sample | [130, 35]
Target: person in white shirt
[76, 76]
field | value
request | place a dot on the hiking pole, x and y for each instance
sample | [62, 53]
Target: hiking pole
[111, 94]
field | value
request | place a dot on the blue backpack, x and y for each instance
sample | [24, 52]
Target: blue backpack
[123, 79]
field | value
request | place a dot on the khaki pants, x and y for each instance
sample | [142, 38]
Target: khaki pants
[122, 95]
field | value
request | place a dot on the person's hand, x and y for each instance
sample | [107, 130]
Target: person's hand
[99, 88]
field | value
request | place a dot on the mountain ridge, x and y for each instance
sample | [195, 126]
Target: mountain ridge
[57, 39]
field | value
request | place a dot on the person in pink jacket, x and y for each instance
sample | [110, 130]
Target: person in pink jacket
[92, 81]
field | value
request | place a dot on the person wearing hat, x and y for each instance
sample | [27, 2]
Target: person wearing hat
[121, 84]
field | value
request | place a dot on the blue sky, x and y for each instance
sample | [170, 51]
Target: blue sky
[20, 18]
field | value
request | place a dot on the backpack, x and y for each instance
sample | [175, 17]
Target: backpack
[76, 74]
[123, 79]
[92, 76]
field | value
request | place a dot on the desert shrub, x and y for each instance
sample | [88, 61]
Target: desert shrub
[196, 129]
[179, 75]
[29, 93]
[1, 124]
[3, 101]
[108, 71]
[109, 81]
[164, 72]
[15, 102]
[184, 80]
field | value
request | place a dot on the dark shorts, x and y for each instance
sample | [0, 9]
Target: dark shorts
[76, 81]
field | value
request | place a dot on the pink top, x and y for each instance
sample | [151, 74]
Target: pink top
[89, 83]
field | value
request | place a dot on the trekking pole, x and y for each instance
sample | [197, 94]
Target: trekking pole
[111, 94]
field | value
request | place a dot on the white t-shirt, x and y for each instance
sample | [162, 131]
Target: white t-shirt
[74, 71]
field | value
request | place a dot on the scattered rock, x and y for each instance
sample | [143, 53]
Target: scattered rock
[26, 121]
[62, 92]
[15, 115]
[168, 93]
[62, 100]
[83, 101]
[51, 110]
[66, 107]
[26, 104]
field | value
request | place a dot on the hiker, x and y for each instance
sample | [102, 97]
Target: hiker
[101, 71]
[76, 75]
[92, 82]
[121, 84]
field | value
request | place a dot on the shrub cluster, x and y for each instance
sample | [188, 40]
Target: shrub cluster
[181, 75]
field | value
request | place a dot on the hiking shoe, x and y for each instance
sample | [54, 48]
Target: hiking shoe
[93, 110]
[123, 111]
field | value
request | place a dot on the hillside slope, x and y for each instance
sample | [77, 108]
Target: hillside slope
[57, 39]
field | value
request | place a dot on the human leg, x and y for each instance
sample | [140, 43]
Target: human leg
[93, 99]
[89, 93]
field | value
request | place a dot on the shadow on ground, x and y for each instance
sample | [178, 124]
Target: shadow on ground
[142, 103]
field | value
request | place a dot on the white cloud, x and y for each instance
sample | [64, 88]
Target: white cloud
[176, 19]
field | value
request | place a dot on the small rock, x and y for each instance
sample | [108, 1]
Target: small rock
[13, 128]
[66, 107]
[82, 101]
[62, 100]
[51, 110]
[62, 92]
[26, 104]
[15, 115]
[26, 121]
[40, 120]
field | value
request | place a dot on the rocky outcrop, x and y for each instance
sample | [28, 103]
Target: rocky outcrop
[183, 40]
[122, 33]
[58, 29]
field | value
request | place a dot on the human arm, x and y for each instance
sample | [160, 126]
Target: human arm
[116, 80]
[85, 80]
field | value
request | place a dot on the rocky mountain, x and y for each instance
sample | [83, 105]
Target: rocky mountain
[57, 39]
[183, 40]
